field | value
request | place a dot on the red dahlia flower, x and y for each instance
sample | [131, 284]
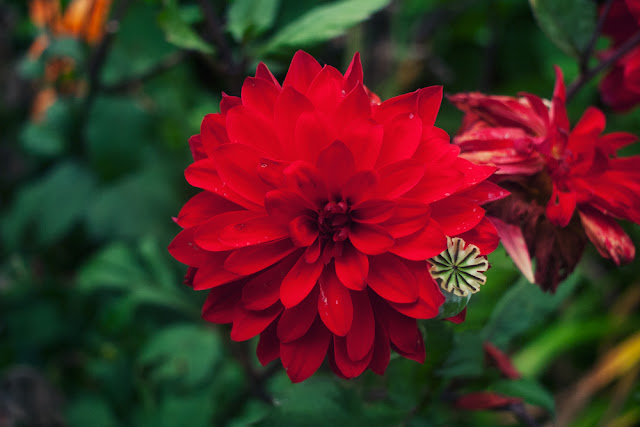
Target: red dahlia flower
[320, 207]
[566, 185]
[620, 88]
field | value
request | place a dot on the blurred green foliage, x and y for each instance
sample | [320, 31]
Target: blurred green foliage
[90, 299]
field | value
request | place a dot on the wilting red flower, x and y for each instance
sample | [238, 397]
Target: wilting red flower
[620, 88]
[552, 172]
[497, 357]
[484, 400]
[320, 207]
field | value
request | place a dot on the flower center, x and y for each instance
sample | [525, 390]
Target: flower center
[334, 221]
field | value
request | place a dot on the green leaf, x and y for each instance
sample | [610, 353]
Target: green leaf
[184, 353]
[178, 31]
[250, 18]
[116, 135]
[322, 23]
[522, 307]
[570, 24]
[47, 208]
[529, 390]
[136, 274]
[140, 204]
[466, 357]
[91, 410]
[49, 138]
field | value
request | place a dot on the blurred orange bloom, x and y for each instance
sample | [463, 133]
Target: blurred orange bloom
[82, 19]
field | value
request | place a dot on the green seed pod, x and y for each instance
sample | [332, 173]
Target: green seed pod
[458, 269]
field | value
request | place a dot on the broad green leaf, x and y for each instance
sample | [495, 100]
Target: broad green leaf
[250, 18]
[524, 306]
[570, 24]
[537, 355]
[322, 23]
[47, 208]
[178, 31]
[466, 357]
[140, 204]
[139, 45]
[529, 390]
[184, 353]
[91, 410]
[137, 275]
[116, 133]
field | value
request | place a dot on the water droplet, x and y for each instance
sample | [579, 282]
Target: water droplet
[447, 194]
[411, 116]
[264, 165]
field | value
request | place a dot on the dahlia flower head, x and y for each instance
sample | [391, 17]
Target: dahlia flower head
[566, 185]
[620, 88]
[319, 208]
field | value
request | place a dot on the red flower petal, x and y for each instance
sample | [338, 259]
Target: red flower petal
[561, 206]
[337, 164]
[352, 268]
[262, 72]
[484, 400]
[284, 206]
[311, 136]
[373, 211]
[259, 95]
[350, 368]
[458, 318]
[334, 303]
[429, 299]
[408, 217]
[302, 71]
[401, 139]
[422, 245]
[303, 231]
[248, 323]
[238, 166]
[221, 303]
[212, 273]
[186, 250]
[361, 336]
[403, 331]
[398, 178]
[325, 91]
[228, 102]
[252, 231]
[381, 350]
[484, 192]
[484, 236]
[364, 139]
[299, 281]
[354, 74]
[301, 358]
[355, 108]
[370, 239]
[608, 237]
[456, 215]
[263, 289]
[208, 234]
[516, 246]
[289, 106]
[390, 278]
[296, 321]
[269, 346]
[359, 186]
[307, 182]
[203, 174]
[252, 259]
[202, 207]
[429, 100]
[501, 360]
[213, 132]
[197, 150]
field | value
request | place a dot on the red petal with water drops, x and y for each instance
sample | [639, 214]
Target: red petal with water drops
[334, 303]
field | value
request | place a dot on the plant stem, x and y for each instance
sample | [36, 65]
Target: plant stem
[584, 78]
[586, 54]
